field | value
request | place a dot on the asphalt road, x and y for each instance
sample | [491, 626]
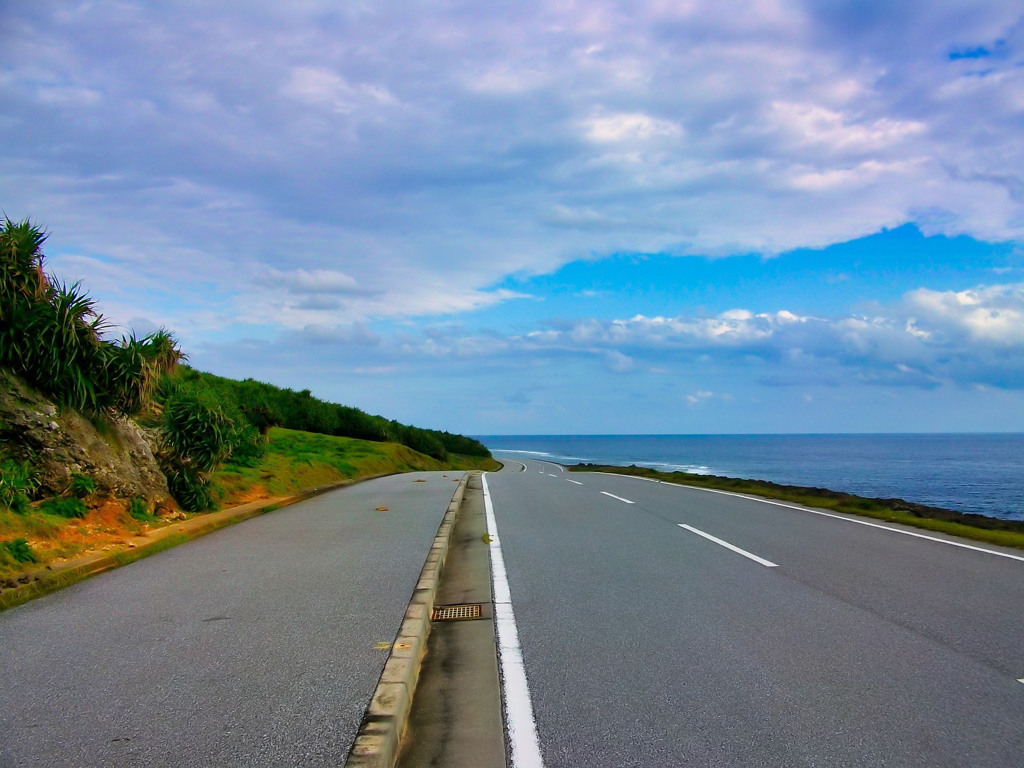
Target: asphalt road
[254, 645]
[648, 644]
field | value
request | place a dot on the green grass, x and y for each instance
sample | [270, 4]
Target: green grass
[296, 461]
[1007, 533]
[64, 507]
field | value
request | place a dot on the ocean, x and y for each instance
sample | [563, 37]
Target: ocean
[981, 473]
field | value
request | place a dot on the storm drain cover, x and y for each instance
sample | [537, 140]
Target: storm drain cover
[456, 612]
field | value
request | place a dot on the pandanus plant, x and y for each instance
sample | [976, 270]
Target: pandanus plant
[21, 264]
[51, 334]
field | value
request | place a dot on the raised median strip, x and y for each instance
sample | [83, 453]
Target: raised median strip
[379, 737]
[47, 580]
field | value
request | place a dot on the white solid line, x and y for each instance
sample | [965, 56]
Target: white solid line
[618, 497]
[522, 728]
[834, 517]
[865, 522]
[577, 482]
[727, 545]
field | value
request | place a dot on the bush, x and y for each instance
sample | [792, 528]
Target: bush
[65, 507]
[190, 488]
[138, 508]
[248, 446]
[264, 405]
[197, 434]
[20, 550]
[81, 486]
[16, 480]
[20, 504]
[52, 335]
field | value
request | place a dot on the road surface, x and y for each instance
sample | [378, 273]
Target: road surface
[788, 639]
[255, 645]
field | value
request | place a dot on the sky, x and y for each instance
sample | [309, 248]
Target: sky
[552, 217]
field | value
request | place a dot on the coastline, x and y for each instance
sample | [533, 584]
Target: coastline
[970, 473]
[991, 530]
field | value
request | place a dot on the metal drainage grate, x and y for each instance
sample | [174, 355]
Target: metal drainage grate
[456, 612]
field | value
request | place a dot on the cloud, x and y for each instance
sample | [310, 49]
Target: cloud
[698, 397]
[991, 315]
[416, 155]
[616, 362]
[925, 340]
[302, 281]
[634, 126]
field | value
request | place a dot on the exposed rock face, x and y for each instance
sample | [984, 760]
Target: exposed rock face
[59, 442]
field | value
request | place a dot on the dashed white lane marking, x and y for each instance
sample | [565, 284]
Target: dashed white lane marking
[574, 482]
[829, 514]
[727, 545]
[550, 475]
[522, 728]
[618, 497]
[865, 522]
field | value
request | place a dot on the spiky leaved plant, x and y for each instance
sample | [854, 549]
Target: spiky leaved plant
[163, 350]
[64, 349]
[197, 432]
[126, 373]
[17, 479]
[21, 265]
[196, 438]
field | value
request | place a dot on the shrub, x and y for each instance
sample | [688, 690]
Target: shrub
[20, 550]
[52, 335]
[20, 504]
[65, 507]
[190, 488]
[138, 508]
[16, 479]
[200, 436]
[81, 486]
[248, 446]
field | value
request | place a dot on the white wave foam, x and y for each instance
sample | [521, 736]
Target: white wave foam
[531, 453]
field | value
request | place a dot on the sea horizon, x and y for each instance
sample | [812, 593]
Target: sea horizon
[974, 472]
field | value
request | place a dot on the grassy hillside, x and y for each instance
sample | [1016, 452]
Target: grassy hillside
[297, 460]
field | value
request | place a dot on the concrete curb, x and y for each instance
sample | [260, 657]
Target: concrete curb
[380, 735]
[46, 580]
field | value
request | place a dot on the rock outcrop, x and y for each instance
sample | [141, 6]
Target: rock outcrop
[60, 442]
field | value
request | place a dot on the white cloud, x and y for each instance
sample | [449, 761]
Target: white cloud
[618, 362]
[425, 152]
[311, 281]
[698, 397]
[628, 127]
[990, 315]
[926, 339]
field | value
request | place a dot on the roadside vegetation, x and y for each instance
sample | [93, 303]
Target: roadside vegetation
[993, 530]
[217, 441]
[297, 460]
